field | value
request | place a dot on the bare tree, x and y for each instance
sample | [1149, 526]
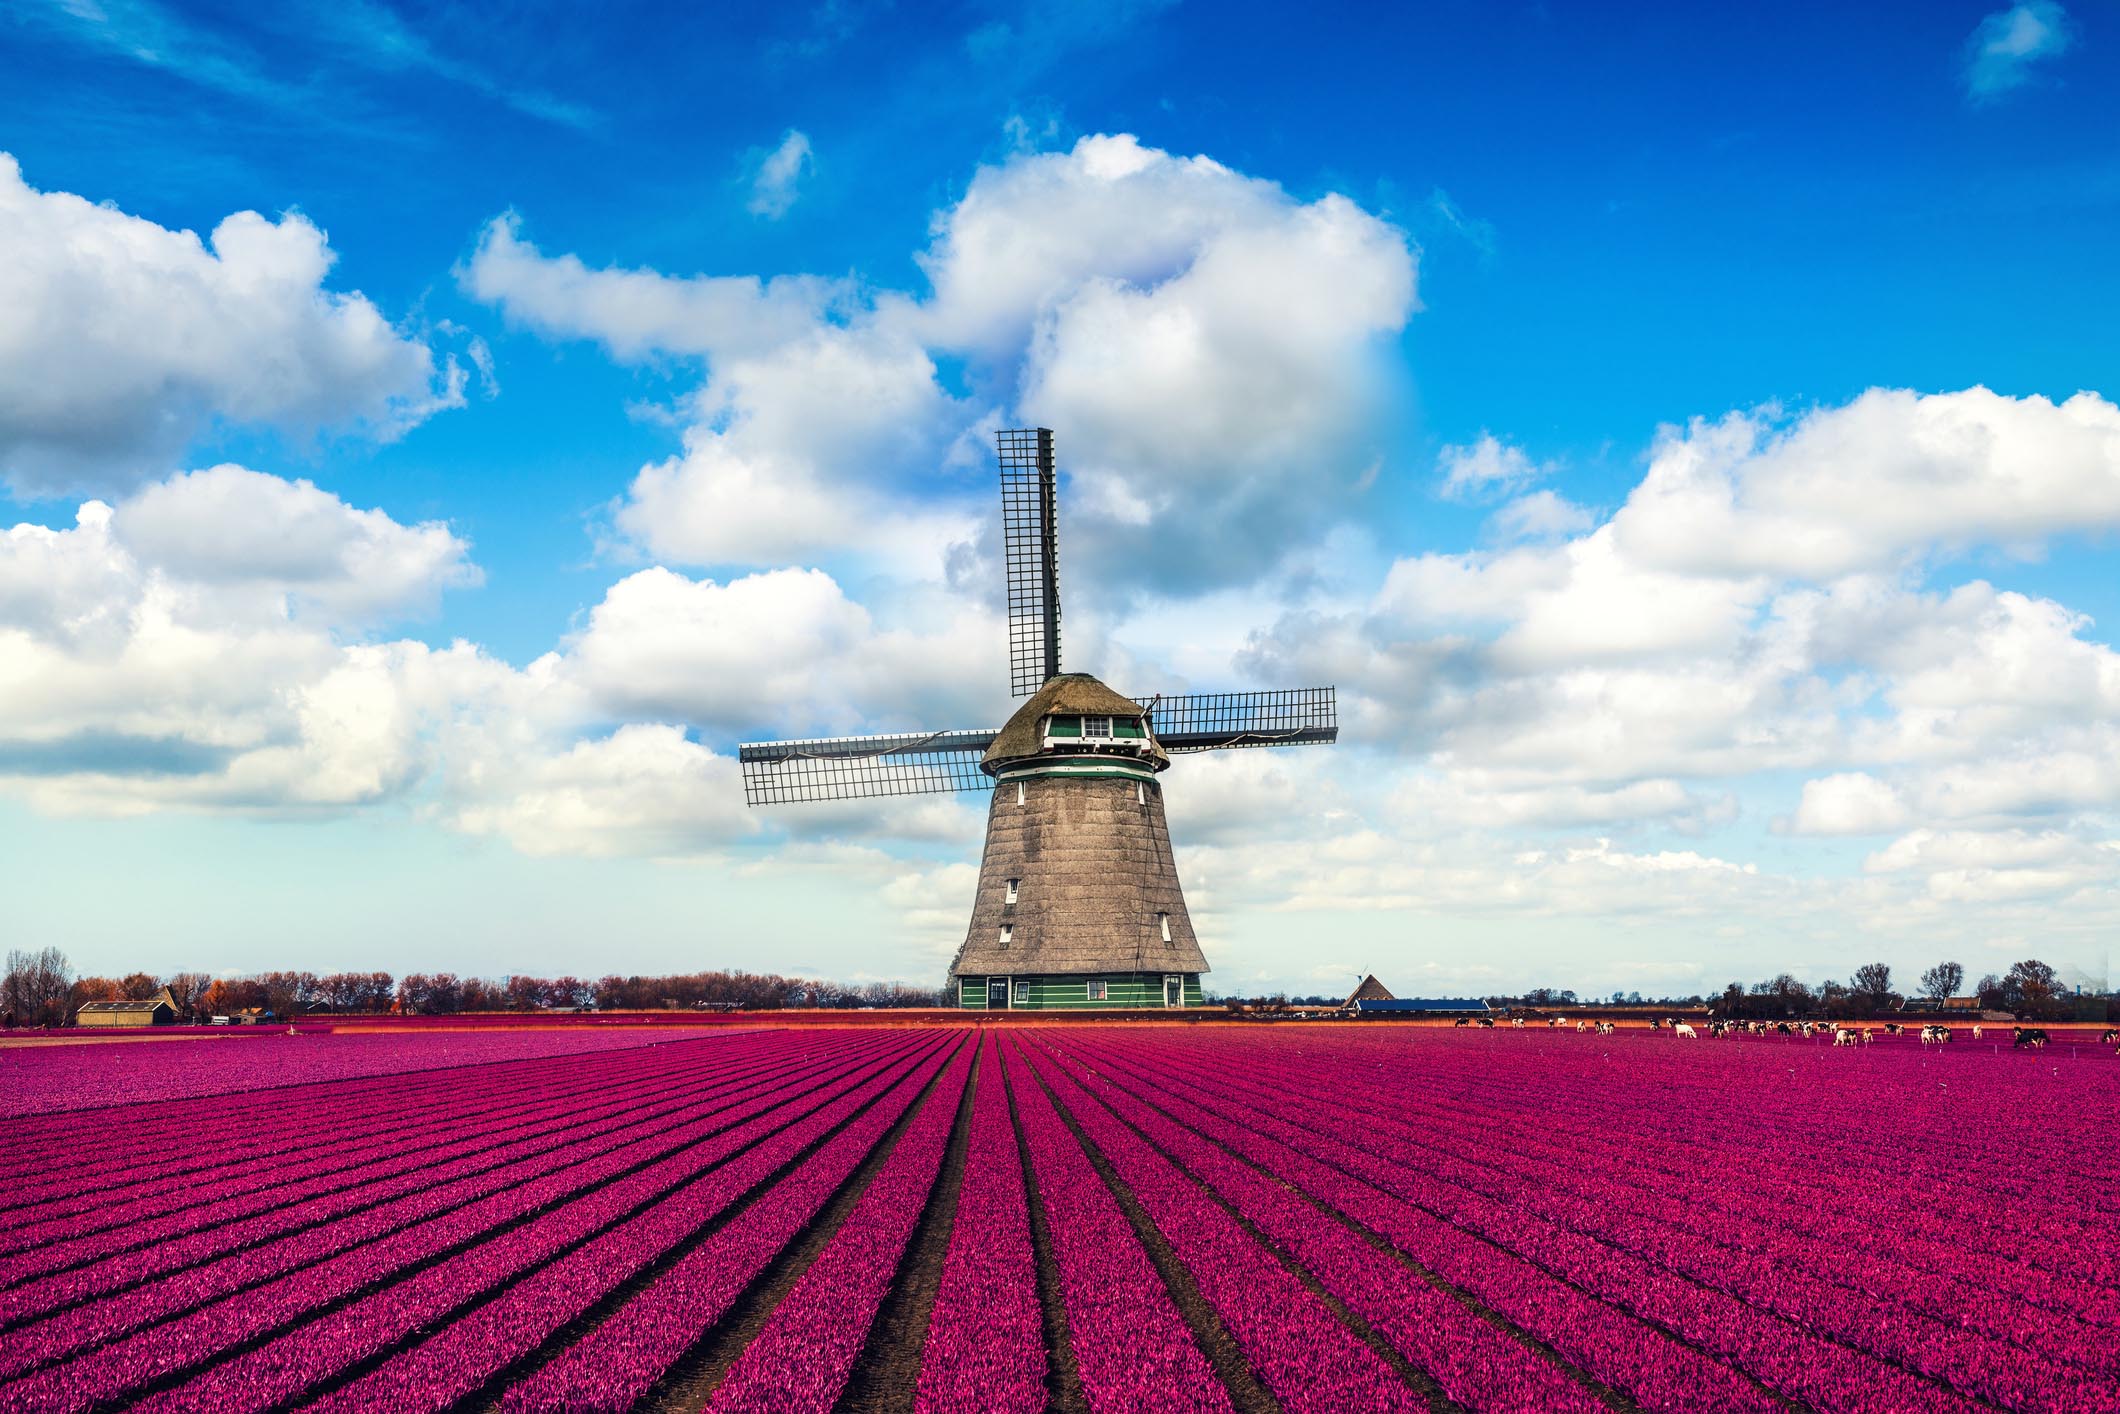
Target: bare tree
[1872, 985]
[35, 988]
[1942, 980]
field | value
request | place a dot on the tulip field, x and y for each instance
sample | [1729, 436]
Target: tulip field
[957, 1217]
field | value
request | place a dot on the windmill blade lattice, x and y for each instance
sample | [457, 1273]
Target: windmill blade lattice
[1306, 716]
[1029, 511]
[861, 767]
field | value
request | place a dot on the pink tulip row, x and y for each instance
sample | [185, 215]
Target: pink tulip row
[254, 1293]
[1293, 1343]
[1546, 1208]
[242, 1133]
[1689, 1237]
[45, 1080]
[318, 1224]
[1473, 1362]
[1910, 1200]
[619, 1362]
[182, 1206]
[539, 1275]
[1780, 1354]
[1612, 1345]
[985, 1351]
[1131, 1348]
[803, 1357]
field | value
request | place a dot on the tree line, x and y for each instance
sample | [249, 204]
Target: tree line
[40, 988]
[2030, 990]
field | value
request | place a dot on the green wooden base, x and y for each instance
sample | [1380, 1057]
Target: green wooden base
[1072, 993]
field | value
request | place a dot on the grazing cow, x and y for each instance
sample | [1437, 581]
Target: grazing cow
[2111, 1035]
[1892, 1028]
[1517, 1022]
[1684, 1032]
[1935, 1035]
[2029, 1036]
[1976, 1033]
[1866, 1036]
[1487, 1022]
[1844, 1038]
[1606, 1028]
[1582, 1026]
[1461, 1021]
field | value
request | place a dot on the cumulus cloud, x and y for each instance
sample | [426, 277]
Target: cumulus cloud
[1213, 349]
[1849, 803]
[124, 340]
[1486, 467]
[2004, 46]
[635, 313]
[776, 175]
[1867, 484]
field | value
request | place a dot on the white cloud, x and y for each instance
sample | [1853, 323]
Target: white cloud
[784, 651]
[1542, 515]
[776, 175]
[638, 312]
[1486, 467]
[186, 649]
[230, 526]
[1214, 349]
[1867, 485]
[124, 340]
[643, 790]
[1850, 803]
[2004, 46]
[802, 450]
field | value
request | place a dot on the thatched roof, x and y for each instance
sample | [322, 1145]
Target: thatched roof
[1069, 694]
[1093, 868]
[1371, 990]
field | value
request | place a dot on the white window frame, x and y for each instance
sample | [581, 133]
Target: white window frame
[1097, 990]
[1019, 990]
[1163, 922]
[1012, 890]
[1168, 978]
[1008, 934]
[1019, 792]
[1008, 993]
[1096, 729]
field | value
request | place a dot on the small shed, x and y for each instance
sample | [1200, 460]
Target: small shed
[1371, 990]
[1422, 1006]
[253, 1015]
[155, 1011]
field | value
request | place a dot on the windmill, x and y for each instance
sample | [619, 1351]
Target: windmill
[1078, 902]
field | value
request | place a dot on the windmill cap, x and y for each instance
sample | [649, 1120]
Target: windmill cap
[1067, 694]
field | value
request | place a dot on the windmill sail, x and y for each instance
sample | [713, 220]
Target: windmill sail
[859, 767]
[1029, 508]
[1307, 716]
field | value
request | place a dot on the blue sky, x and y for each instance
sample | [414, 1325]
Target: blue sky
[533, 304]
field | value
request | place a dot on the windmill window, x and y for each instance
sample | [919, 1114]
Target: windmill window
[1023, 994]
[1097, 727]
[1141, 791]
[1008, 933]
[1163, 922]
[1019, 792]
[1011, 891]
[1099, 991]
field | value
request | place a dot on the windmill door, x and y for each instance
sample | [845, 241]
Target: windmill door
[1174, 991]
[997, 994]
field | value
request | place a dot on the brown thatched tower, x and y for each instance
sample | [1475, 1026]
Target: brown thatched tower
[1078, 902]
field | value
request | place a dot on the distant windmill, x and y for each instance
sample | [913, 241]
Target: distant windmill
[1078, 902]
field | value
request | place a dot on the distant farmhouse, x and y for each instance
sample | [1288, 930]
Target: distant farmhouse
[157, 1010]
[1373, 998]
